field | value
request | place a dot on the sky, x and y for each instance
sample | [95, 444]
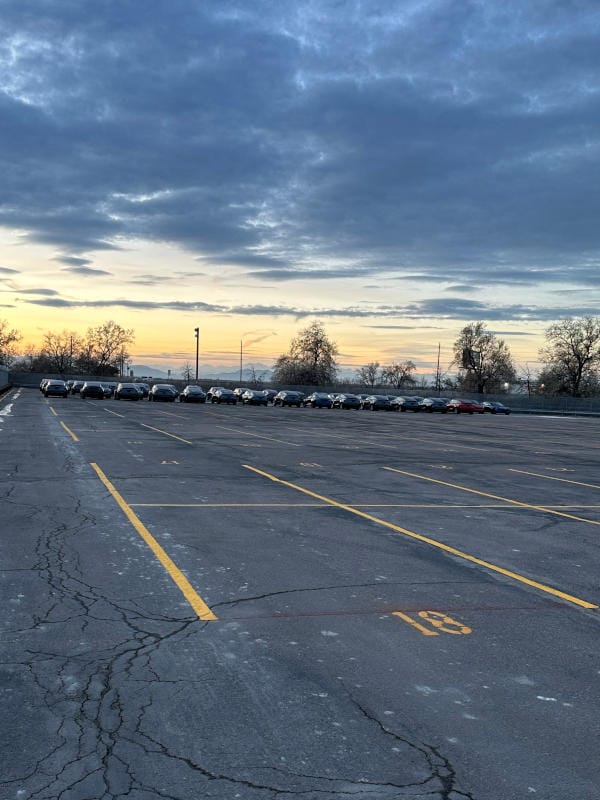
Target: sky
[395, 170]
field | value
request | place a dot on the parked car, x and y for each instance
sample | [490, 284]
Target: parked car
[317, 400]
[495, 408]
[465, 406]
[127, 391]
[163, 393]
[192, 394]
[211, 391]
[92, 389]
[54, 388]
[407, 403]
[288, 398]
[254, 397]
[431, 404]
[143, 388]
[377, 402]
[239, 391]
[108, 388]
[223, 395]
[346, 401]
[76, 387]
[270, 393]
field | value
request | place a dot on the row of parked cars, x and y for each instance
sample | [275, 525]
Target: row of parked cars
[381, 402]
[166, 392]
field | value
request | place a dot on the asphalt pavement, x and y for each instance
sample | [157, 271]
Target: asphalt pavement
[205, 601]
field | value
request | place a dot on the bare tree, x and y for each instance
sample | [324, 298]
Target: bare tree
[486, 359]
[104, 349]
[311, 360]
[8, 339]
[187, 372]
[572, 355]
[59, 348]
[399, 374]
[369, 374]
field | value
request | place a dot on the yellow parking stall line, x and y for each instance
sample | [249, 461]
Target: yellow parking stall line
[53, 411]
[182, 583]
[70, 432]
[166, 433]
[552, 478]
[426, 540]
[545, 509]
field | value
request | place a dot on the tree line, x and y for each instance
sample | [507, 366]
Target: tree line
[570, 357]
[102, 350]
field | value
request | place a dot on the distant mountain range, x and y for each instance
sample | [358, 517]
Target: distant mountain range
[213, 373]
[216, 373]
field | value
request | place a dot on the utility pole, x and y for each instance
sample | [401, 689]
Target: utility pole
[241, 360]
[197, 335]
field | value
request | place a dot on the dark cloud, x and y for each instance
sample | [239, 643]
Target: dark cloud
[139, 305]
[87, 271]
[436, 308]
[45, 292]
[73, 261]
[329, 273]
[8, 271]
[452, 142]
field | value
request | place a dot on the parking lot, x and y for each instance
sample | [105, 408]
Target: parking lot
[233, 601]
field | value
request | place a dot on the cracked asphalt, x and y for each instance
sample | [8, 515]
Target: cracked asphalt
[398, 605]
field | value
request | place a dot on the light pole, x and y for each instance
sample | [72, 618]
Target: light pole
[197, 335]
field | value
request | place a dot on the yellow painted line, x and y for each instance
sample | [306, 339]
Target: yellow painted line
[185, 587]
[258, 436]
[426, 540]
[70, 432]
[166, 433]
[545, 509]
[53, 411]
[551, 478]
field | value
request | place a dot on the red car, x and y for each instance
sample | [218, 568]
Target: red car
[465, 407]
